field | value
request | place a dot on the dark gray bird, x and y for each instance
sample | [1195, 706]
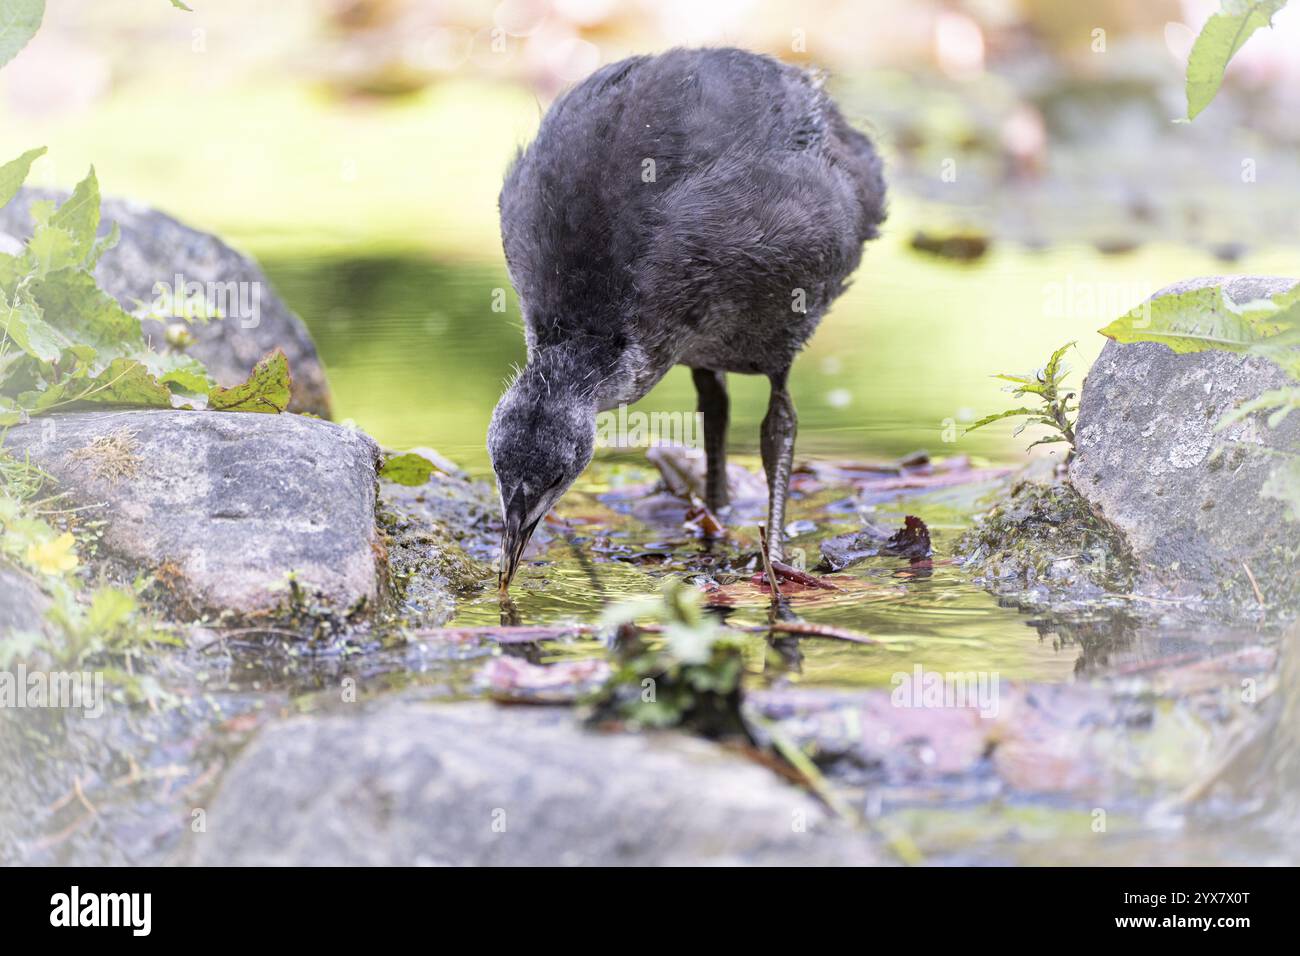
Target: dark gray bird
[701, 208]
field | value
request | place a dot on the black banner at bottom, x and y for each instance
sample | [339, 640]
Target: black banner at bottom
[339, 906]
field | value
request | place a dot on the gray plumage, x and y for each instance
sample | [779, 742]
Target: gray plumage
[700, 207]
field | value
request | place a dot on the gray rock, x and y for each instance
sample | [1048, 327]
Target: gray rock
[22, 605]
[222, 507]
[480, 784]
[1187, 498]
[156, 249]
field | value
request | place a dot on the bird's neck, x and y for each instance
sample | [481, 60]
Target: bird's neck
[579, 369]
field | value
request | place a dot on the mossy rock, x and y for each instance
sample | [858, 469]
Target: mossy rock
[1044, 547]
[440, 538]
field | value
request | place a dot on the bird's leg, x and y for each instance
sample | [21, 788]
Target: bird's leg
[713, 405]
[779, 427]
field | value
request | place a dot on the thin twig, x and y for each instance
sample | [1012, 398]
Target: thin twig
[504, 634]
[801, 577]
[802, 763]
[81, 796]
[767, 567]
[808, 629]
[48, 842]
[1259, 595]
[898, 842]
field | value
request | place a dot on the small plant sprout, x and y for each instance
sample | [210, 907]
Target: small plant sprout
[689, 673]
[1048, 386]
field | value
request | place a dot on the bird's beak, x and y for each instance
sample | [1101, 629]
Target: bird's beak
[514, 538]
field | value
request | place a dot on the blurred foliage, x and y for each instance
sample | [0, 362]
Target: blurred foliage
[19, 21]
[687, 674]
[1218, 42]
[66, 341]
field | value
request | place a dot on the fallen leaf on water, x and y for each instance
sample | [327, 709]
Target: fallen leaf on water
[911, 541]
[410, 469]
[701, 519]
[683, 470]
[884, 480]
[959, 247]
[791, 576]
[754, 592]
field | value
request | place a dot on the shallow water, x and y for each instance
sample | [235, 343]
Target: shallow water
[417, 356]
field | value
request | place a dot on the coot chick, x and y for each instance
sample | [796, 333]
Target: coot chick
[699, 207]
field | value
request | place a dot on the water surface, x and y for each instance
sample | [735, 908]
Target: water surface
[417, 356]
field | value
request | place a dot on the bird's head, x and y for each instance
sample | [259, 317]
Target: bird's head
[540, 439]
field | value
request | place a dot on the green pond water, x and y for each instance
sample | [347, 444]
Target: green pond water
[417, 356]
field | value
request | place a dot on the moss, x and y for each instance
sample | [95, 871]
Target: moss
[1274, 574]
[1044, 545]
[427, 567]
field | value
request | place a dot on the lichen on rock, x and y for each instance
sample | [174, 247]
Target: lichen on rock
[1188, 494]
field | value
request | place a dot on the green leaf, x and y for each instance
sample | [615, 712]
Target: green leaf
[127, 382]
[182, 373]
[80, 214]
[40, 211]
[267, 388]
[1053, 369]
[89, 316]
[14, 174]
[52, 249]
[180, 6]
[1048, 440]
[35, 402]
[1219, 40]
[110, 608]
[1282, 400]
[1028, 388]
[22, 323]
[1190, 321]
[19, 21]
[410, 469]
[65, 340]
[102, 246]
[1009, 413]
[1284, 321]
[10, 413]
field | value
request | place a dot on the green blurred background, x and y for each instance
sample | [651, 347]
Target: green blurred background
[356, 148]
